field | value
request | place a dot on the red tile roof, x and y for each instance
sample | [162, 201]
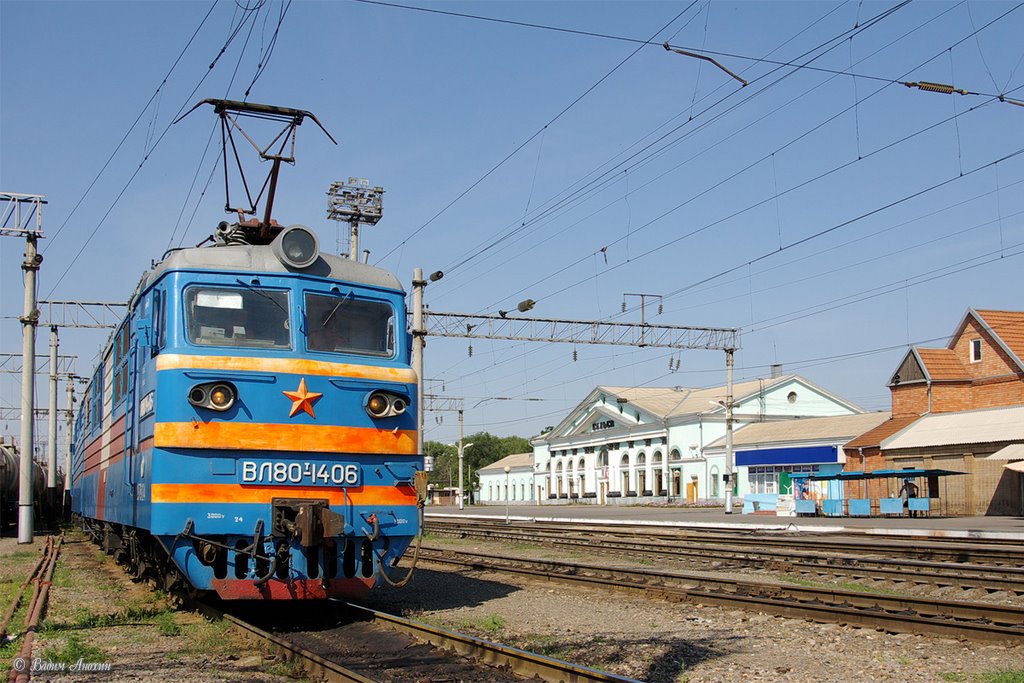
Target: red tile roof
[1009, 326]
[874, 437]
[942, 364]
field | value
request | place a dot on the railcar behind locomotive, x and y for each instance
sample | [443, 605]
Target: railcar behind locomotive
[251, 428]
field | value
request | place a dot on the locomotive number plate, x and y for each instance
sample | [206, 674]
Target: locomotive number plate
[299, 473]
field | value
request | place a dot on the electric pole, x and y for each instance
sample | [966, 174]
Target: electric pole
[29, 319]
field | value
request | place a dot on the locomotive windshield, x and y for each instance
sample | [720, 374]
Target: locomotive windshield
[340, 324]
[250, 317]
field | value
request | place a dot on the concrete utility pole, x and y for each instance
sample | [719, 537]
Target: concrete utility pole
[435, 403]
[29, 318]
[67, 452]
[418, 284]
[51, 422]
[728, 430]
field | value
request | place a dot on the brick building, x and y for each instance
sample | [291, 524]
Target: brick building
[980, 368]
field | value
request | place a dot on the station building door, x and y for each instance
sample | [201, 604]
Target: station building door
[691, 491]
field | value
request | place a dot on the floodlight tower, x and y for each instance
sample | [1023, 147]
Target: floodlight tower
[355, 202]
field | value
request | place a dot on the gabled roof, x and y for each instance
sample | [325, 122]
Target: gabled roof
[941, 364]
[664, 403]
[514, 461]
[837, 427]
[668, 402]
[990, 425]
[1006, 327]
[874, 437]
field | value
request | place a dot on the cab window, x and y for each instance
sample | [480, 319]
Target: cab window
[340, 323]
[250, 317]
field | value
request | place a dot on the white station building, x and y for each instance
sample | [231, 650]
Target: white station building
[640, 445]
[516, 485]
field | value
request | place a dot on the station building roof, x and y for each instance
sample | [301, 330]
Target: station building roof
[990, 425]
[514, 461]
[668, 402]
[833, 428]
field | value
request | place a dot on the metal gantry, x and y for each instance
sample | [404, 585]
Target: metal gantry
[556, 330]
[437, 403]
[82, 314]
[552, 330]
[11, 364]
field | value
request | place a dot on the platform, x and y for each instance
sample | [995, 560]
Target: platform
[994, 528]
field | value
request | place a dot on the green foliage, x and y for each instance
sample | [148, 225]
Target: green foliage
[485, 450]
[72, 651]
[1004, 676]
[492, 623]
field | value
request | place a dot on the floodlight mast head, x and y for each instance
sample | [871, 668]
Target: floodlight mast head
[355, 202]
[230, 112]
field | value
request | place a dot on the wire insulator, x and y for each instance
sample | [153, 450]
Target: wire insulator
[936, 87]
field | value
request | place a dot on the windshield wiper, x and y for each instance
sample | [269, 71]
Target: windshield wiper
[262, 293]
[334, 310]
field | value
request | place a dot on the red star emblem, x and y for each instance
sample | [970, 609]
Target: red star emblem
[302, 399]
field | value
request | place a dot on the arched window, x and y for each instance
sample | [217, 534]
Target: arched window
[675, 455]
[656, 460]
[713, 474]
[602, 458]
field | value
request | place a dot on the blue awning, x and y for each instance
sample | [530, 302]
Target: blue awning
[806, 455]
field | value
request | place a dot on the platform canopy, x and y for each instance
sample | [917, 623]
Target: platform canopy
[908, 473]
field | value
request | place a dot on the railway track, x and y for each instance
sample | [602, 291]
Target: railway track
[373, 646]
[893, 613]
[796, 555]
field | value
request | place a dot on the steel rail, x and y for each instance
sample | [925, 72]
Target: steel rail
[903, 547]
[521, 662]
[975, 621]
[959, 575]
[528, 664]
[316, 666]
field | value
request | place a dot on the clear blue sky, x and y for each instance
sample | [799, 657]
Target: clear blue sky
[702, 177]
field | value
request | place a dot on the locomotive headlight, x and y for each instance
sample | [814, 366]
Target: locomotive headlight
[377, 405]
[296, 246]
[222, 397]
[218, 396]
[385, 404]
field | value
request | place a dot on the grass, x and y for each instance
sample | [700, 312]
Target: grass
[1004, 676]
[73, 650]
[288, 669]
[492, 623]
[798, 581]
[842, 585]
[546, 645]
[522, 546]
[132, 615]
[862, 588]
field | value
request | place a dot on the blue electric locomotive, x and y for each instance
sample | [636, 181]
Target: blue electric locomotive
[251, 428]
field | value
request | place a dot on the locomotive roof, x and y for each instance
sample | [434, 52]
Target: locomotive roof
[261, 259]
